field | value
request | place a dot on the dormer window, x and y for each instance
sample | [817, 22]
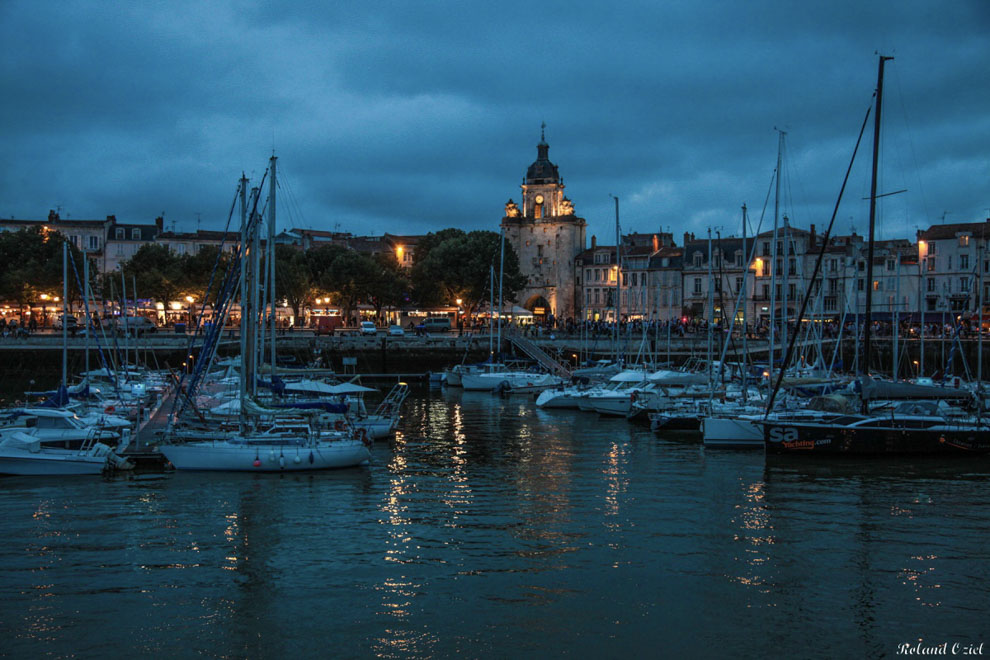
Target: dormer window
[136, 234]
[964, 241]
[697, 260]
[120, 234]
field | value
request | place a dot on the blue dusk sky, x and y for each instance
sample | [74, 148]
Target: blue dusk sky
[408, 117]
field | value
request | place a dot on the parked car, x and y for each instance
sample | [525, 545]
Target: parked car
[368, 328]
[71, 322]
[435, 324]
[396, 331]
[136, 325]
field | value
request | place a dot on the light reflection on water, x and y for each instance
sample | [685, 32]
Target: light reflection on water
[487, 527]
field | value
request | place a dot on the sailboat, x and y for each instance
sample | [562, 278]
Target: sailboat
[921, 424]
[289, 440]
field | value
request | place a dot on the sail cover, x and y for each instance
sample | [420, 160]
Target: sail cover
[872, 390]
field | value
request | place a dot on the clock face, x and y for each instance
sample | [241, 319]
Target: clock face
[539, 199]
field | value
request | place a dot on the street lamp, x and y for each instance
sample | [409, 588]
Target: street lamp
[457, 317]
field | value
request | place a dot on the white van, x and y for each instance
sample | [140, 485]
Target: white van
[436, 324]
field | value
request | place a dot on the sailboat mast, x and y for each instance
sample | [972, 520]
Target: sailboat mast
[618, 274]
[711, 314]
[245, 303]
[65, 313]
[491, 312]
[127, 347]
[922, 303]
[896, 314]
[88, 326]
[786, 265]
[254, 293]
[979, 329]
[273, 321]
[868, 320]
[501, 267]
[745, 284]
[773, 256]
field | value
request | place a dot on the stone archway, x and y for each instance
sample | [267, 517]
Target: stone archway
[539, 305]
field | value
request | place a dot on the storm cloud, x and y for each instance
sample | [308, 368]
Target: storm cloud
[408, 117]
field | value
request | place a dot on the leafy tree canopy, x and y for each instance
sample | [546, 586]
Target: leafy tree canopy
[460, 267]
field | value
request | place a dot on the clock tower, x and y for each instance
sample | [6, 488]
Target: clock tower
[547, 236]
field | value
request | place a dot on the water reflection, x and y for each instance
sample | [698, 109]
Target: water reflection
[488, 527]
[755, 532]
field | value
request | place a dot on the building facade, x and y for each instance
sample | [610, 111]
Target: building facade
[87, 235]
[547, 236]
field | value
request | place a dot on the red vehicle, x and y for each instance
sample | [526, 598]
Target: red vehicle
[325, 325]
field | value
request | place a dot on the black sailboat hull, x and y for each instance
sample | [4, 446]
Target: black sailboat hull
[811, 439]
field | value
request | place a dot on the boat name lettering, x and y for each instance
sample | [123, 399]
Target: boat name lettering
[783, 435]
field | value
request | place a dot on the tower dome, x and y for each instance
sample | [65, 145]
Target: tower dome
[542, 170]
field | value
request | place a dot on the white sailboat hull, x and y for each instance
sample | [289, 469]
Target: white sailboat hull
[730, 433]
[226, 456]
[616, 406]
[558, 399]
[376, 427]
[49, 464]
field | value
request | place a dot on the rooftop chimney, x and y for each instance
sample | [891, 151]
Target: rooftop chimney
[687, 237]
[594, 241]
[160, 224]
[811, 240]
[656, 242]
[52, 216]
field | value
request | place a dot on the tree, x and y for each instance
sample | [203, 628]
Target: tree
[433, 239]
[460, 267]
[293, 278]
[349, 279]
[389, 285]
[426, 288]
[32, 260]
[158, 273]
[320, 259]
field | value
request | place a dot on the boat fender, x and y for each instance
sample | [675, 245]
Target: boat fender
[109, 409]
[257, 462]
[311, 458]
[281, 461]
[297, 460]
[271, 456]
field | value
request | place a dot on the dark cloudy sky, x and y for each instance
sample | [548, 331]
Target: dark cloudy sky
[407, 117]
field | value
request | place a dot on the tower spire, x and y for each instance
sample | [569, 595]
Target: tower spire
[543, 127]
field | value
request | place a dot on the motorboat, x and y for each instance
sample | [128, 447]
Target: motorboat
[24, 454]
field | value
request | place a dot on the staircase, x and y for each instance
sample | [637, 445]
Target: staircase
[530, 349]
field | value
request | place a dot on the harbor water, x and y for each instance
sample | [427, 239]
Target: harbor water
[490, 528]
